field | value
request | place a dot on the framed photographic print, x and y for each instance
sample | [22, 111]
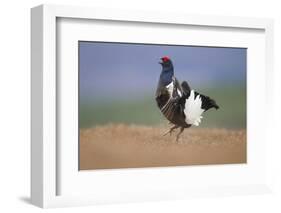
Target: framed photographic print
[131, 106]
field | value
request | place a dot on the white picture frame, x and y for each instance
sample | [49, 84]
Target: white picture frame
[45, 157]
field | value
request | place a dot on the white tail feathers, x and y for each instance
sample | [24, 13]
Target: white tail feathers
[193, 110]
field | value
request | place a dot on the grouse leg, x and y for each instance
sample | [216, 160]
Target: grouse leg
[171, 130]
[180, 132]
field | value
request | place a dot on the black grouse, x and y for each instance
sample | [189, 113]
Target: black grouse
[182, 106]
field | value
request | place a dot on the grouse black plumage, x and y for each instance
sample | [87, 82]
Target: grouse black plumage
[182, 106]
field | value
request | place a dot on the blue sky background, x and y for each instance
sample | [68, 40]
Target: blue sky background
[120, 77]
[107, 69]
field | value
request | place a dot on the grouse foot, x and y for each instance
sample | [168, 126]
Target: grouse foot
[171, 130]
[180, 132]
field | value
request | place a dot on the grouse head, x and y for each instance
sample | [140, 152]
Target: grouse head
[166, 63]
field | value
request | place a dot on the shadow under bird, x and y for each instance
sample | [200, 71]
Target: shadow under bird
[182, 106]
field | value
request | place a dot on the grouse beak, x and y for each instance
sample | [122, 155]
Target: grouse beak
[160, 62]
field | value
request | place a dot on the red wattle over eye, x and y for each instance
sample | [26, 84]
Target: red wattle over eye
[165, 58]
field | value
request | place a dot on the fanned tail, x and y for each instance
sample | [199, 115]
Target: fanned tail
[195, 105]
[207, 102]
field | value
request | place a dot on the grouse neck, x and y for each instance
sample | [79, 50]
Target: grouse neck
[166, 76]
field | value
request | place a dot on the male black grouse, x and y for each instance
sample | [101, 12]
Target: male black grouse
[182, 106]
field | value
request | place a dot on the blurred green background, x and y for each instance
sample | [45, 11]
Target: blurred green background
[232, 112]
[118, 82]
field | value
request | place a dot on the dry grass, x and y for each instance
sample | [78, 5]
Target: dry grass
[124, 146]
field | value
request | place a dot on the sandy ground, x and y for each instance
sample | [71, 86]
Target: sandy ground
[123, 146]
